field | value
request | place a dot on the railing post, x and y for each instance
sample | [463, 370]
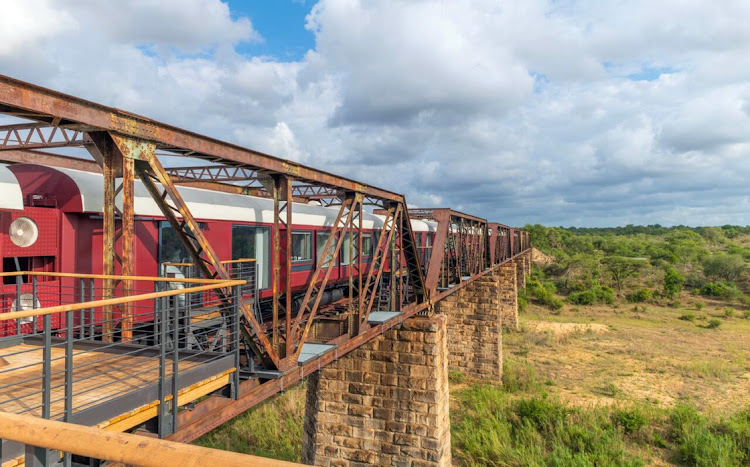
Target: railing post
[69, 374]
[92, 292]
[18, 305]
[36, 456]
[81, 313]
[163, 419]
[235, 342]
[33, 303]
[175, 360]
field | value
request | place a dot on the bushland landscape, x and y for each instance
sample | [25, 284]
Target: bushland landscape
[633, 349]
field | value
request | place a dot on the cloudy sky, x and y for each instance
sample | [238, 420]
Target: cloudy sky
[584, 113]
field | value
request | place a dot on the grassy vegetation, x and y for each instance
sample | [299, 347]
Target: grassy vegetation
[273, 429]
[522, 423]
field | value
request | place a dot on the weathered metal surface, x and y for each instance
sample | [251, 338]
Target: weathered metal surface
[26, 100]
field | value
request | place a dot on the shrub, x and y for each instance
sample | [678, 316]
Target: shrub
[713, 323]
[641, 295]
[687, 317]
[582, 298]
[697, 444]
[522, 303]
[540, 412]
[595, 294]
[729, 312]
[726, 267]
[544, 294]
[630, 421]
[673, 281]
[746, 314]
[725, 290]
[701, 447]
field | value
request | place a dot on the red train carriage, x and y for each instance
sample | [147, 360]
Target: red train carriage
[57, 213]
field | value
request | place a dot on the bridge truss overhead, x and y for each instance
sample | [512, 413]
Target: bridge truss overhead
[127, 147]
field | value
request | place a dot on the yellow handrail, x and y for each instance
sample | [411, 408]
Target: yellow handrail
[105, 276]
[118, 447]
[212, 285]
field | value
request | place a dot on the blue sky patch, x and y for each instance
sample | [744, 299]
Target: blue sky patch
[281, 23]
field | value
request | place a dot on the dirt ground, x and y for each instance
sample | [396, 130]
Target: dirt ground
[607, 354]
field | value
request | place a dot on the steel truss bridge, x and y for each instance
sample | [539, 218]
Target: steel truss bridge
[255, 359]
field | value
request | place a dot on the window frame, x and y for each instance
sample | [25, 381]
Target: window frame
[308, 233]
[317, 239]
[265, 274]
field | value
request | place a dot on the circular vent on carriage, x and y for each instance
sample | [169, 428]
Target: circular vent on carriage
[23, 232]
[23, 303]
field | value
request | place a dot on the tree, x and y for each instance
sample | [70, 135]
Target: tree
[673, 281]
[726, 267]
[621, 267]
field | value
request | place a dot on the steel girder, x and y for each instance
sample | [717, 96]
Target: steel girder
[126, 145]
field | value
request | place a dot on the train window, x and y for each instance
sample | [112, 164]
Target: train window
[321, 238]
[367, 245]
[253, 242]
[171, 249]
[346, 249]
[301, 246]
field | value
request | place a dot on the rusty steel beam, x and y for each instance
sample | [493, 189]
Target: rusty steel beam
[45, 158]
[329, 255]
[38, 136]
[26, 100]
[195, 242]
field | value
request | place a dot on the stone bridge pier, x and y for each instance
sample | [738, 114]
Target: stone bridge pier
[387, 402]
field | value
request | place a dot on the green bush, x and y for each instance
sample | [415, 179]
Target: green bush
[522, 303]
[587, 297]
[726, 267]
[595, 294]
[698, 444]
[738, 428]
[687, 317]
[544, 294]
[729, 312]
[630, 421]
[673, 282]
[639, 296]
[713, 323]
[541, 412]
[725, 290]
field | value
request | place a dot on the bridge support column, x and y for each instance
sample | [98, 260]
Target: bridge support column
[475, 339]
[520, 263]
[507, 276]
[385, 403]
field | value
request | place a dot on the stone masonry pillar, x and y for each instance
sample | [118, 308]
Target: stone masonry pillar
[520, 271]
[507, 277]
[475, 340]
[385, 403]
[529, 260]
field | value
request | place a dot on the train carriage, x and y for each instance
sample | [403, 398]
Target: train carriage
[58, 214]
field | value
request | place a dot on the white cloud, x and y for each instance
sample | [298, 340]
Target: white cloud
[576, 112]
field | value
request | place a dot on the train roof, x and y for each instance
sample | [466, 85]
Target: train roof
[88, 197]
[12, 197]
